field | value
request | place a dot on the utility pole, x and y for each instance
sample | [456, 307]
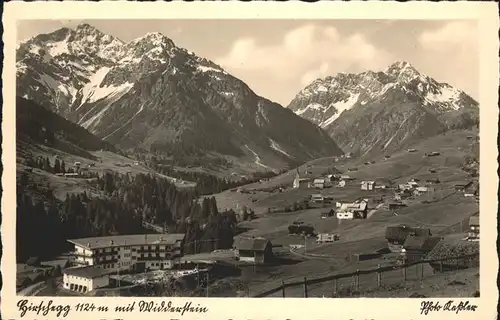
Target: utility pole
[207, 282]
[198, 274]
[305, 243]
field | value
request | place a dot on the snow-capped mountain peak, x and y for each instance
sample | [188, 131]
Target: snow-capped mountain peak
[399, 98]
[404, 72]
[152, 94]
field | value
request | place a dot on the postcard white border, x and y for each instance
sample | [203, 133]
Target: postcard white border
[270, 308]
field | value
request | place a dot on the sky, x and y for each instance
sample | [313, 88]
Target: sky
[278, 58]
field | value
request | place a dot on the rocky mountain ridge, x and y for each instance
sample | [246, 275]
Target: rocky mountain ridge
[151, 95]
[384, 110]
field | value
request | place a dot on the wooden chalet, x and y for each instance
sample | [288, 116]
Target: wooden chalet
[254, 250]
[417, 247]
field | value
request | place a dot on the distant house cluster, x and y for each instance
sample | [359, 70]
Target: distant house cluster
[411, 188]
[321, 182]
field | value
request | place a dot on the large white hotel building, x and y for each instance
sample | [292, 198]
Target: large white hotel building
[129, 252]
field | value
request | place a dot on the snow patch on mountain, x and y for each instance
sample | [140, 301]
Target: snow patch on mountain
[257, 160]
[445, 95]
[209, 69]
[340, 107]
[93, 91]
[311, 106]
[275, 146]
[92, 121]
[58, 48]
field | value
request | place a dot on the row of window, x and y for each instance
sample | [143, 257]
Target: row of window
[133, 249]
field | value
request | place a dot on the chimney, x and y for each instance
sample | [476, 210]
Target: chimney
[145, 238]
[111, 242]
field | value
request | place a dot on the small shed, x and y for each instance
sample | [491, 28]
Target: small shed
[318, 198]
[321, 183]
[327, 237]
[256, 250]
[463, 186]
[304, 183]
[473, 228]
[367, 185]
[417, 247]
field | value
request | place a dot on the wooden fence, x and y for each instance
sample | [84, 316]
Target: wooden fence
[419, 266]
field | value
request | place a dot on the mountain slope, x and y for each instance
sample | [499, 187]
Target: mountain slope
[376, 112]
[36, 125]
[151, 95]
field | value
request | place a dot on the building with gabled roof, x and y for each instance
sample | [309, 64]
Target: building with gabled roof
[85, 279]
[473, 234]
[321, 183]
[417, 247]
[367, 185]
[256, 250]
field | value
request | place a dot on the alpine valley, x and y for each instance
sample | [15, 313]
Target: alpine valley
[150, 96]
[381, 112]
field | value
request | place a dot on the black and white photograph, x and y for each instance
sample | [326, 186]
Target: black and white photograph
[166, 158]
[244, 158]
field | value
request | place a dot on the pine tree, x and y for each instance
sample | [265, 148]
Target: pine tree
[57, 166]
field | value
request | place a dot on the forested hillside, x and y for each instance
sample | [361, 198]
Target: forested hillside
[43, 226]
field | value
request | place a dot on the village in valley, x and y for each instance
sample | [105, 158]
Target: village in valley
[332, 216]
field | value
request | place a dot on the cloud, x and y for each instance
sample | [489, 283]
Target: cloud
[306, 52]
[451, 51]
[453, 34]
[320, 72]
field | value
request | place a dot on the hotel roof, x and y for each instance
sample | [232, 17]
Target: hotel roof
[128, 240]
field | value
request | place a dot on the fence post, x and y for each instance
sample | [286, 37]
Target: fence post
[378, 276]
[305, 287]
[404, 273]
[334, 287]
[441, 266]
[357, 279]
[283, 288]
[422, 271]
